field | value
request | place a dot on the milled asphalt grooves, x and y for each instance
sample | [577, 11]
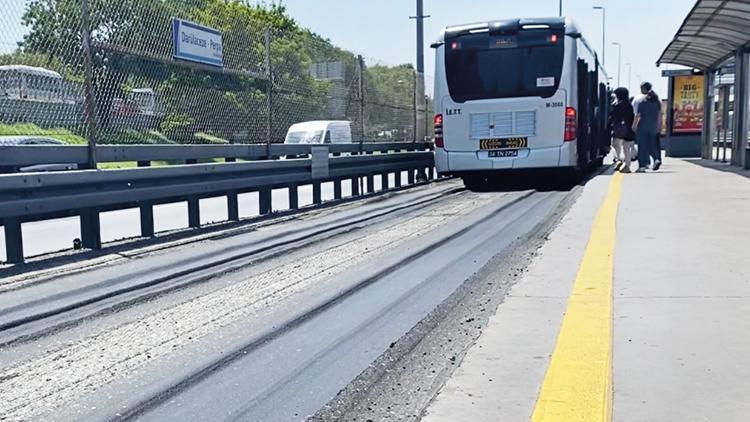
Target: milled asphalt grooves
[290, 355]
[343, 335]
[401, 383]
[22, 307]
[141, 409]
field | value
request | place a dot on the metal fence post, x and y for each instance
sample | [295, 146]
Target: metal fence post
[269, 94]
[361, 94]
[90, 93]
[415, 105]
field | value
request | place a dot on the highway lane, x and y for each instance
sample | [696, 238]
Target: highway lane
[304, 307]
[50, 236]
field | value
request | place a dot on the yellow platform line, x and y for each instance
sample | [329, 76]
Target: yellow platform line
[578, 383]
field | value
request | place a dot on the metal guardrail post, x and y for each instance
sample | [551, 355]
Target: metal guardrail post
[233, 207]
[194, 212]
[91, 234]
[146, 210]
[293, 197]
[397, 179]
[13, 240]
[355, 186]
[147, 220]
[317, 193]
[370, 183]
[264, 200]
[337, 189]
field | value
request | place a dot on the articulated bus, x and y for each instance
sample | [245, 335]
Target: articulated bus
[518, 94]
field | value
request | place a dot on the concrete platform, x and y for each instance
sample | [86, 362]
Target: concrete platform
[680, 310]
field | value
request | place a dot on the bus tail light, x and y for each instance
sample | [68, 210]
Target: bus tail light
[571, 124]
[439, 143]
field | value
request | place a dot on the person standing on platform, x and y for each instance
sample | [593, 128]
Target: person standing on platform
[647, 126]
[622, 129]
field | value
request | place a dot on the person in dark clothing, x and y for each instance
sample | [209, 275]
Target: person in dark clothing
[622, 129]
[647, 126]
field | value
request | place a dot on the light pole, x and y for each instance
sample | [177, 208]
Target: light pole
[630, 75]
[561, 1]
[604, 38]
[619, 61]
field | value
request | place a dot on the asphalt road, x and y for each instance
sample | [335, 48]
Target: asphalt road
[264, 323]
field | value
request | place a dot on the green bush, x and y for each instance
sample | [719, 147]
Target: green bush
[133, 137]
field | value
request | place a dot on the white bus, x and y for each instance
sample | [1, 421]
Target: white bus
[518, 94]
[21, 82]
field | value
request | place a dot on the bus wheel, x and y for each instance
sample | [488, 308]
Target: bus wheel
[569, 178]
[475, 183]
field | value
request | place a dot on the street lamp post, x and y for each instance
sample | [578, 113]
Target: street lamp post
[619, 61]
[604, 38]
[561, 2]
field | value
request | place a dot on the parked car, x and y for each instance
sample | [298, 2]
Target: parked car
[36, 140]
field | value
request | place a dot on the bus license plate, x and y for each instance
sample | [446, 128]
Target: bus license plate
[503, 143]
[503, 153]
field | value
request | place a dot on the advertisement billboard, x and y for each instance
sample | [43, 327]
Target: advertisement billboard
[687, 117]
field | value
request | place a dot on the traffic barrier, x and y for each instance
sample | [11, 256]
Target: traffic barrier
[29, 197]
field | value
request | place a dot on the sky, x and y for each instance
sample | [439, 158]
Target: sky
[383, 33]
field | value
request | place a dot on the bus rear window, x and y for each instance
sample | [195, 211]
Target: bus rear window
[483, 66]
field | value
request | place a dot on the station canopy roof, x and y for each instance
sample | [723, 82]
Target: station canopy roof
[711, 33]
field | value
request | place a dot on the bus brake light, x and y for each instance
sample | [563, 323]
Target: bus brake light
[571, 124]
[439, 143]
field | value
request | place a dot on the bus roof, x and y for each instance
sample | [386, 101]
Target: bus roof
[30, 70]
[569, 25]
[527, 23]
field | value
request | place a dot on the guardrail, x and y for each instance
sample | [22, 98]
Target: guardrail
[28, 155]
[42, 196]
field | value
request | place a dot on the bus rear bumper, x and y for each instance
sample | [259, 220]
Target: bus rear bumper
[449, 162]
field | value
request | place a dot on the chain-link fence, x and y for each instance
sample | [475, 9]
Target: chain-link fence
[187, 71]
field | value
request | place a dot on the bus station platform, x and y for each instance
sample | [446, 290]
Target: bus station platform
[643, 315]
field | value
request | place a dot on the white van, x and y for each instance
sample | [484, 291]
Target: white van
[518, 94]
[320, 132]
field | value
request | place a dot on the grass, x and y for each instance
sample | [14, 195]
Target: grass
[107, 137]
[21, 129]
[207, 138]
